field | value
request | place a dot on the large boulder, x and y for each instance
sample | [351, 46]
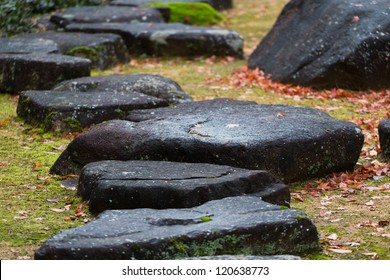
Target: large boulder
[234, 225]
[64, 111]
[92, 14]
[27, 46]
[170, 39]
[163, 184]
[104, 50]
[384, 137]
[293, 143]
[153, 85]
[329, 43]
[40, 71]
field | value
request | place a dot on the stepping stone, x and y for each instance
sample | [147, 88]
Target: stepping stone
[170, 39]
[327, 44]
[162, 184]
[293, 143]
[153, 85]
[41, 71]
[235, 226]
[27, 46]
[104, 50]
[384, 137]
[93, 14]
[74, 111]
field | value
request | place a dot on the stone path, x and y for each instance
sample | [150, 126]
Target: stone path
[80, 103]
[163, 184]
[384, 137]
[104, 50]
[293, 143]
[170, 39]
[234, 226]
[173, 200]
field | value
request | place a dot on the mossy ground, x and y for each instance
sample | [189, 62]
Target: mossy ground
[34, 206]
[191, 13]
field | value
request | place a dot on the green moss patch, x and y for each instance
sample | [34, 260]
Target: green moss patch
[191, 13]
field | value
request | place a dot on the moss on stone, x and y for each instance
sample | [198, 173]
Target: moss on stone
[73, 124]
[191, 13]
[85, 52]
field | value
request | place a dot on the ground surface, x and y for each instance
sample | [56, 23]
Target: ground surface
[350, 209]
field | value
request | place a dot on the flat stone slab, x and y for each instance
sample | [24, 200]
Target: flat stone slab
[384, 137]
[153, 85]
[293, 143]
[170, 39]
[104, 50]
[328, 44]
[27, 46]
[234, 225]
[74, 111]
[163, 184]
[41, 71]
[93, 14]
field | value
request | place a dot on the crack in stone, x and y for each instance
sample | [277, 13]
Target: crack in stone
[191, 130]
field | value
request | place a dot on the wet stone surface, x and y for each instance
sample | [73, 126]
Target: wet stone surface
[104, 50]
[74, 111]
[41, 71]
[153, 85]
[93, 14]
[170, 39]
[384, 137]
[329, 44]
[234, 226]
[27, 46]
[293, 143]
[163, 184]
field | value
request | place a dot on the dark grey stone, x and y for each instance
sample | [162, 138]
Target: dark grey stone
[93, 14]
[246, 258]
[74, 111]
[329, 43]
[153, 85]
[189, 108]
[170, 39]
[384, 137]
[234, 226]
[293, 143]
[104, 50]
[20, 72]
[27, 46]
[222, 4]
[164, 184]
